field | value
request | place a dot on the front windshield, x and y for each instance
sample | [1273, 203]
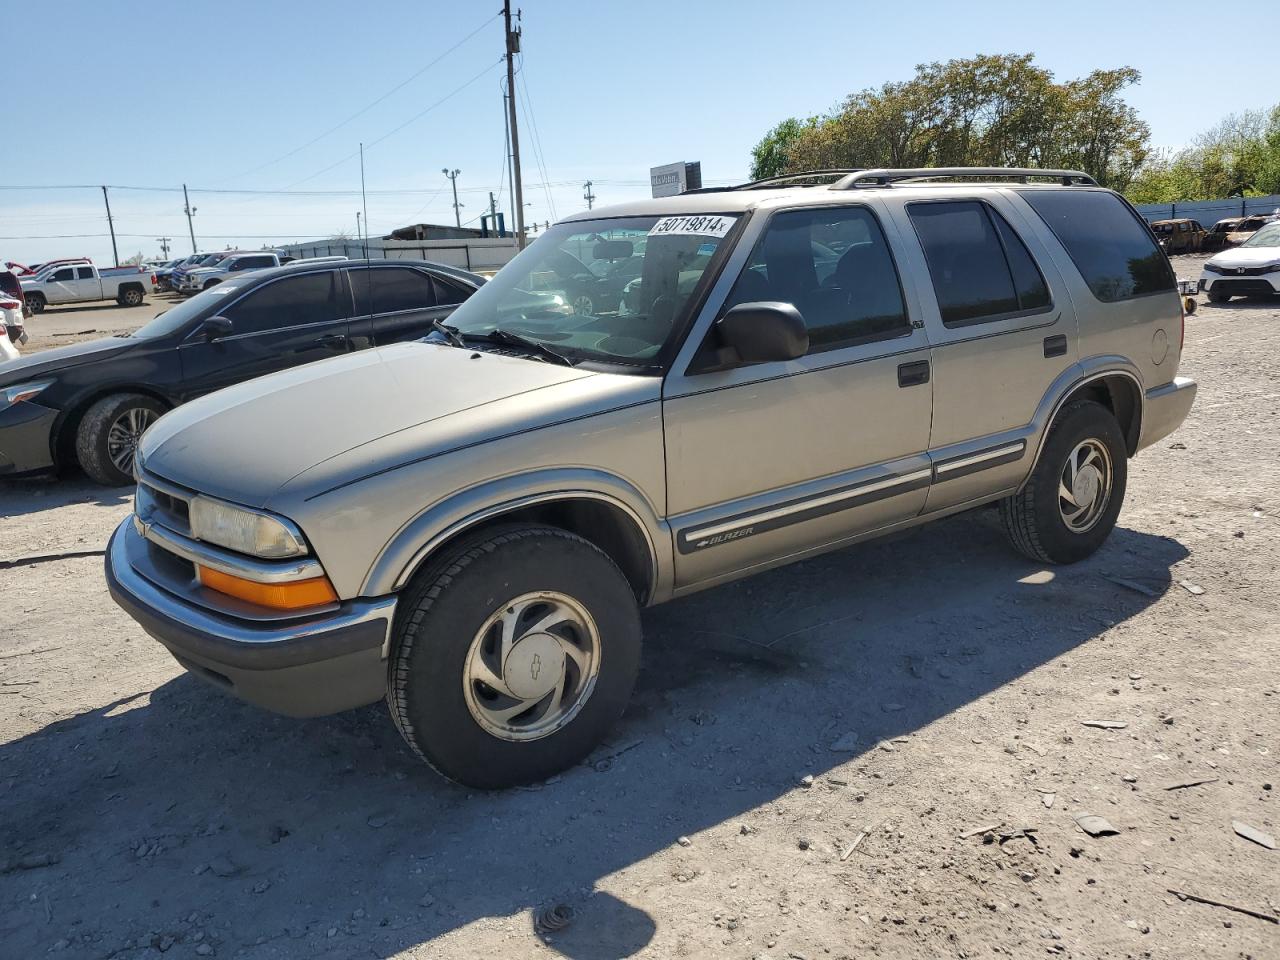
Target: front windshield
[182, 313]
[1268, 236]
[611, 290]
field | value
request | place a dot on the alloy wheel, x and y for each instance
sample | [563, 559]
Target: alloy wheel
[1084, 487]
[124, 434]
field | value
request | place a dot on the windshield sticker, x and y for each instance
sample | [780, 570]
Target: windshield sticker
[714, 226]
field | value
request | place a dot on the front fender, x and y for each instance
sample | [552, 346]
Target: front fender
[414, 542]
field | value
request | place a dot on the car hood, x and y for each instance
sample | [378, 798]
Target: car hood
[54, 361]
[333, 422]
[1246, 257]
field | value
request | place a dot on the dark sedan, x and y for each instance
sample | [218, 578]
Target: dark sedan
[90, 402]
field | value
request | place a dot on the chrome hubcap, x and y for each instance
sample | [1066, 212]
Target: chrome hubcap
[1084, 489]
[125, 432]
[531, 666]
[583, 305]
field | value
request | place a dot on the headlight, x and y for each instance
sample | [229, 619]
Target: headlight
[22, 391]
[244, 531]
[1213, 268]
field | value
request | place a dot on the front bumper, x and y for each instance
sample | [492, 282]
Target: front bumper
[1165, 408]
[26, 430]
[302, 667]
[1241, 285]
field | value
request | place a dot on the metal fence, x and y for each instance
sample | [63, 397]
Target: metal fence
[478, 255]
[1209, 212]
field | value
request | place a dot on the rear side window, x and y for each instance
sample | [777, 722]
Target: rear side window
[391, 289]
[84, 273]
[286, 303]
[1107, 242]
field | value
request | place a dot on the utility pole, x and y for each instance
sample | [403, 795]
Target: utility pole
[114, 253]
[493, 212]
[164, 245]
[457, 207]
[513, 47]
[588, 195]
[190, 211]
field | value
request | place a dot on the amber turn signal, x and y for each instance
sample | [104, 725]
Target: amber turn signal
[279, 596]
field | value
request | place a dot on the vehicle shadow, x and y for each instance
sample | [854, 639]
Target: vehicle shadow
[188, 812]
[31, 495]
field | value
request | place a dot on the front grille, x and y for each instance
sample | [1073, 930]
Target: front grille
[1243, 288]
[1249, 271]
[162, 503]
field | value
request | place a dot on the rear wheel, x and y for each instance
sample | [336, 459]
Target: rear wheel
[1070, 504]
[514, 655]
[36, 302]
[108, 436]
[130, 297]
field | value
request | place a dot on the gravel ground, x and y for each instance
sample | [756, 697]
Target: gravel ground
[933, 686]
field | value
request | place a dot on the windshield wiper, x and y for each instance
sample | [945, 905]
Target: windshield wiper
[448, 332]
[498, 335]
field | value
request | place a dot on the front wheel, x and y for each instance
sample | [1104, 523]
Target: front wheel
[36, 302]
[1070, 504]
[513, 656]
[1218, 297]
[108, 435]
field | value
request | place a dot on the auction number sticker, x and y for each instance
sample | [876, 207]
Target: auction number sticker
[712, 226]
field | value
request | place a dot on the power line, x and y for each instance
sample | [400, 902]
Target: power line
[368, 107]
[537, 140]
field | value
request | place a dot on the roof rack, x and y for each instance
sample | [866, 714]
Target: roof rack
[888, 176]
[831, 172]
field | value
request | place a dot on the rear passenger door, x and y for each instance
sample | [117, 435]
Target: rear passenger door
[284, 322]
[1002, 329]
[773, 459]
[87, 285]
[394, 304]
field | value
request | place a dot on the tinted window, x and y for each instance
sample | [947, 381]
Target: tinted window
[449, 292]
[834, 266]
[286, 303]
[1107, 242]
[388, 289]
[66, 273]
[84, 273]
[252, 263]
[1028, 284]
[966, 261]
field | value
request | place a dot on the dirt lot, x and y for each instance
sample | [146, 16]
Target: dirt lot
[933, 687]
[59, 326]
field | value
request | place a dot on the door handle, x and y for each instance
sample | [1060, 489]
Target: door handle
[913, 374]
[333, 341]
[1055, 346]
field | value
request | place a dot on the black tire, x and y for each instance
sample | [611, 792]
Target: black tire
[1218, 297]
[36, 302]
[442, 613]
[1033, 518]
[130, 297]
[210, 283]
[94, 447]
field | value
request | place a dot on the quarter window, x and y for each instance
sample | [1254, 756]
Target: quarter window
[1109, 244]
[981, 270]
[834, 266]
[286, 303]
[391, 289]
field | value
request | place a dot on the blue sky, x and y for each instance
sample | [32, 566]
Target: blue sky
[229, 95]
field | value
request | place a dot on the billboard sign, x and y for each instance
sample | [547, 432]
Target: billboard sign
[675, 178]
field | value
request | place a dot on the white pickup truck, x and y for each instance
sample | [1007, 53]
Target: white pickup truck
[84, 283]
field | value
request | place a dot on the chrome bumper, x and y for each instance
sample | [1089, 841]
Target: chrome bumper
[305, 666]
[1165, 408]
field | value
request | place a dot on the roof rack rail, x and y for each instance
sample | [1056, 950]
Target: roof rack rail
[782, 179]
[888, 176]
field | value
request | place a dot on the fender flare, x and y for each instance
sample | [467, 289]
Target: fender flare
[403, 555]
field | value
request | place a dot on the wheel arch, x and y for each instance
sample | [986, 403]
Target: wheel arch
[1110, 381]
[619, 521]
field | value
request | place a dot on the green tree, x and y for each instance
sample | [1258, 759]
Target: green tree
[988, 110]
[769, 156]
[1237, 157]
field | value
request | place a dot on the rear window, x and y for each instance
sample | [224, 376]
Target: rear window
[1107, 241]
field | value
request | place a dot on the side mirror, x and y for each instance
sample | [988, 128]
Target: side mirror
[215, 328]
[761, 333]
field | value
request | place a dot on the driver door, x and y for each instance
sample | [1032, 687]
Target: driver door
[768, 461]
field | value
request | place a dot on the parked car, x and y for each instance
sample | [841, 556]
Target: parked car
[1249, 270]
[469, 525]
[86, 284]
[1216, 238]
[193, 262]
[13, 331]
[1246, 227]
[163, 272]
[204, 277]
[11, 288]
[1179, 236]
[89, 402]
